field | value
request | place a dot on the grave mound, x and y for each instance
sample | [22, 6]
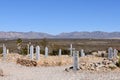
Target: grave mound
[93, 63]
[26, 62]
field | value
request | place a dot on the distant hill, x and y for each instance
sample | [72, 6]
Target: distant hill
[94, 35]
[81, 35]
[25, 35]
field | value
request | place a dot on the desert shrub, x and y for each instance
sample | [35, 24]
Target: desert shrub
[44, 42]
[42, 52]
[102, 55]
[88, 53]
[118, 53]
[54, 52]
[112, 67]
[1, 50]
[24, 51]
[65, 52]
[19, 40]
[118, 63]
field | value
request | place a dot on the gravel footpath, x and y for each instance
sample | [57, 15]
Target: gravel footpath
[14, 71]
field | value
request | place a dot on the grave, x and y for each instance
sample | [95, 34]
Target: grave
[46, 52]
[60, 52]
[110, 53]
[31, 52]
[115, 53]
[82, 53]
[75, 60]
[71, 50]
[4, 52]
[37, 52]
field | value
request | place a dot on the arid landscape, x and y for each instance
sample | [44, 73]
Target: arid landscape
[17, 66]
[88, 45]
[59, 39]
[51, 71]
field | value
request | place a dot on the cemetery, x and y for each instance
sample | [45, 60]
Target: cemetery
[75, 61]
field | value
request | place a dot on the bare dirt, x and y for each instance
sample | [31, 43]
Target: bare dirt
[13, 71]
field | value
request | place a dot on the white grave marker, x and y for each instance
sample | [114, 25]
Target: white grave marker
[46, 52]
[4, 52]
[7, 51]
[60, 52]
[71, 50]
[37, 52]
[110, 53]
[115, 53]
[75, 60]
[31, 51]
[82, 53]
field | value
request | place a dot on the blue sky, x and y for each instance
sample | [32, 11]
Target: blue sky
[57, 16]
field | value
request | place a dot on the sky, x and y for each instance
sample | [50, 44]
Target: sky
[57, 16]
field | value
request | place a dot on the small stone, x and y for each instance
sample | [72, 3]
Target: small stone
[83, 64]
[66, 69]
[82, 67]
[92, 68]
[112, 66]
[97, 69]
[71, 67]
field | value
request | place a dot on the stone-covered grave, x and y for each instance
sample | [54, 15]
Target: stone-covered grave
[26, 62]
[95, 62]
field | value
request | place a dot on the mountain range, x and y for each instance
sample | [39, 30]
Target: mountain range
[78, 35]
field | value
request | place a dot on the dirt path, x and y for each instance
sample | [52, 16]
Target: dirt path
[13, 71]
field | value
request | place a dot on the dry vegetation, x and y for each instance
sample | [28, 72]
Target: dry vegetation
[45, 70]
[88, 45]
[49, 61]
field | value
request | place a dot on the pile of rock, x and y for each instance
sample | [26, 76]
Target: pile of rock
[26, 62]
[93, 63]
[103, 65]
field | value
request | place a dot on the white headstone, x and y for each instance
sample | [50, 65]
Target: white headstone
[110, 53]
[31, 51]
[60, 52]
[115, 53]
[46, 51]
[7, 51]
[37, 52]
[4, 52]
[82, 53]
[75, 60]
[71, 50]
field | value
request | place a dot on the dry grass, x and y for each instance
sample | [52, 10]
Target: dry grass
[55, 60]
[87, 44]
[49, 61]
[90, 59]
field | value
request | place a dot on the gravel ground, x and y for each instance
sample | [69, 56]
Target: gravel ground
[14, 71]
